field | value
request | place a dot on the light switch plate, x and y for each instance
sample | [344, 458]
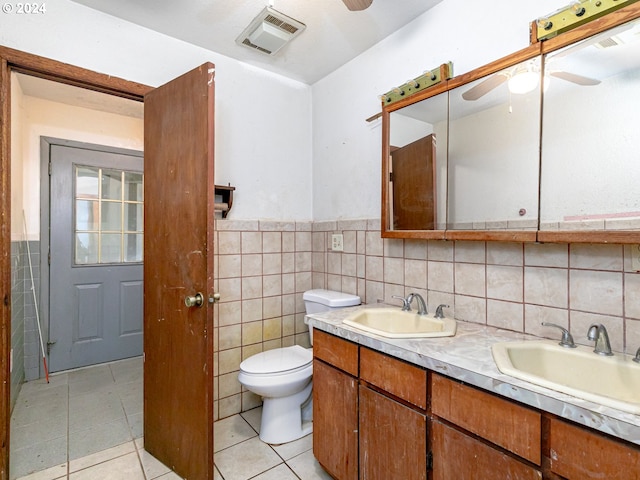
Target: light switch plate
[337, 244]
[635, 257]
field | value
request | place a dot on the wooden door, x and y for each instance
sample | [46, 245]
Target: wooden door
[178, 262]
[335, 421]
[393, 439]
[413, 185]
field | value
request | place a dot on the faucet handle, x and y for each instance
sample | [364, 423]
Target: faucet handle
[439, 313]
[637, 357]
[566, 340]
[406, 304]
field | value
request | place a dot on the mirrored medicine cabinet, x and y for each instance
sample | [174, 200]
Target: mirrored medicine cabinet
[541, 145]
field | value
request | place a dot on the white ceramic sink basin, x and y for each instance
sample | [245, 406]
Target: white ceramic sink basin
[611, 381]
[394, 323]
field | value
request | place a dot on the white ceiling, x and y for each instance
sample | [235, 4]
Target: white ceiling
[334, 35]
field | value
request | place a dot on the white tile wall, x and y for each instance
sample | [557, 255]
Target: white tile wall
[264, 267]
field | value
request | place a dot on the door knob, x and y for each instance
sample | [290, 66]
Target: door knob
[194, 300]
[215, 298]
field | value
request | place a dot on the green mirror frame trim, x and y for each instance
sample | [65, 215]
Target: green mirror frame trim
[418, 84]
[574, 15]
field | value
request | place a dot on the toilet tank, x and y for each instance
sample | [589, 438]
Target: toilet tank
[316, 301]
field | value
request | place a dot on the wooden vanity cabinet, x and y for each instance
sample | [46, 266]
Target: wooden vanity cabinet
[335, 405]
[393, 420]
[380, 418]
[577, 453]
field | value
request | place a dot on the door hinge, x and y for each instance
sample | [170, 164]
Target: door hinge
[49, 256]
[50, 168]
[49, 344]
[429, 461]
[391, 176]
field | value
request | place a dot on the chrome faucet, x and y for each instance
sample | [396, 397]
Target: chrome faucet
[567, 339]
[599, 334]
[637, 357]
[406, 303]
[422, 305]
[406, 306]
[439, 313]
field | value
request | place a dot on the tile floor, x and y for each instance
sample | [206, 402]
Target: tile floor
[87, 425]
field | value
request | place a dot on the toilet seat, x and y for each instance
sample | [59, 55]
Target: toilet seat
[279, 361]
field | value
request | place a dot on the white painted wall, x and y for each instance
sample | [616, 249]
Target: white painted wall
[347, 150]
[17, 109]
[263, 120]
[43, 118]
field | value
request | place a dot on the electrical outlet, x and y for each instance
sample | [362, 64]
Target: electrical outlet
[337, 242]
[635, 257]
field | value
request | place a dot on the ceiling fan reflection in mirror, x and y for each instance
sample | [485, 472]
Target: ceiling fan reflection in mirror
[521, 79]
[357, 5]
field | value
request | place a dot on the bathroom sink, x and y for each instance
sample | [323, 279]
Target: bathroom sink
[611, 381]
[394, 323]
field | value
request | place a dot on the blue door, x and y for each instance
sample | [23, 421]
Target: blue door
[96, 241]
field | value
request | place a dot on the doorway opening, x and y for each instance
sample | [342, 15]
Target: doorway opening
[41, 110]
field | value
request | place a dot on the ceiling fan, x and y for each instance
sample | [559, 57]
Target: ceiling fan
[513, 74]
[357, 5]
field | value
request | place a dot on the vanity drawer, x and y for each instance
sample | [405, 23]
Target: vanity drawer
[394, 376]
[579, 454]
[500, 421]
[335, 351]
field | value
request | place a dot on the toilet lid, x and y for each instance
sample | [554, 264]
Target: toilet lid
[277, 360]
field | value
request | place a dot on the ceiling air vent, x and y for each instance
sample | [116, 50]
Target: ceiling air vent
[270, 31]
[608, 42]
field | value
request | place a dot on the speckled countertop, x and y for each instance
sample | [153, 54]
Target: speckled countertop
[467, 357]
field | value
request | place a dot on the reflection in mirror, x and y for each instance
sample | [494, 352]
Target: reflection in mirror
[591, 134]
[418, 166]
[493, 157]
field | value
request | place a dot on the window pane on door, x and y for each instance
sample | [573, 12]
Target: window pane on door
[86, 215]
[111, 219]
[133, 220]
[110, 248]
[133, 247]
[86, 248]
[108, 214]
[87, 182]
[112, 184]
[133, 187]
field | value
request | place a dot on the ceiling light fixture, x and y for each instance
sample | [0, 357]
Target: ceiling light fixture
[524, 79]
[270, 31]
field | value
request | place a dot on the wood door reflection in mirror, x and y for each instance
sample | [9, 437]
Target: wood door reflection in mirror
[412, 181]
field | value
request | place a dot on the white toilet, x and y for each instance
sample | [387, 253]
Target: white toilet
[282, 377]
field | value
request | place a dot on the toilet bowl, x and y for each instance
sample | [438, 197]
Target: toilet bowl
[282, 377]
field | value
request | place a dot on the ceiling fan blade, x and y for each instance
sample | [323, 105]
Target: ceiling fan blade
[575, 78]
[481, 89]
[356, 5]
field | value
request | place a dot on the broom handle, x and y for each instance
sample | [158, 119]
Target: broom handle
[35, 300]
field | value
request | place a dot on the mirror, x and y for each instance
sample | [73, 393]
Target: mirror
[540, 145]
[591, 133]
[494, 134]
[417, 165]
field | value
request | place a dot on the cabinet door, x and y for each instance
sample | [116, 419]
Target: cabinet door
[579, 454]
[335, 421]
[459, 456]
[393, 439]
